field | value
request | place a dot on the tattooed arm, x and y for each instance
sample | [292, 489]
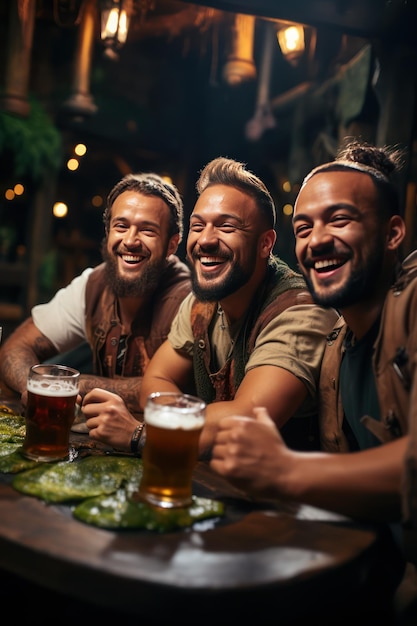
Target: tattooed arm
[27, 346]
[126, 388]
[22, 349]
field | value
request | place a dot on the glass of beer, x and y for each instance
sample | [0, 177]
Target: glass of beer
[50, 411]
[174, 422]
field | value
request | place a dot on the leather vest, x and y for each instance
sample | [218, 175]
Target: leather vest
[394, 364]
[149, 330]
[392, 361]
[282, 288]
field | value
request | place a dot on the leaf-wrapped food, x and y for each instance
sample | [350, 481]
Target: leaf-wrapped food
[117, 511]
[67, 481]
[12, 427]
[13, 462]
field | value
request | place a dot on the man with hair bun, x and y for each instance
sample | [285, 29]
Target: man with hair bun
[348, 231]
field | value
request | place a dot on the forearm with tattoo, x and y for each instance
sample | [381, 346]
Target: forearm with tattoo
[14, 371]
[126, 388]
[19, 353]
[15, 364]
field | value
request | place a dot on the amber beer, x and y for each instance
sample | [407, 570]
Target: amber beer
[52, 394]
[173, 426]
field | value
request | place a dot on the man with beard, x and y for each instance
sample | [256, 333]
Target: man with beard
[124, 307]
[249, 333]
[348, 231]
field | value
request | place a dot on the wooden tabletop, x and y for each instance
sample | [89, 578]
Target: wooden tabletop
[259, 554]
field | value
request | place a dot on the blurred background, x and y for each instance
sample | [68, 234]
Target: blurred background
[167, 85]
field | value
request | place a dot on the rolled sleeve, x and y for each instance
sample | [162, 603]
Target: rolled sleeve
[181, 334]
[295, 340]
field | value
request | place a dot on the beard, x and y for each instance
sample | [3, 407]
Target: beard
[235, 279]
[136, 286]
[360, 285]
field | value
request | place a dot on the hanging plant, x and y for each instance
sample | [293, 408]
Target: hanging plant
[34, 142]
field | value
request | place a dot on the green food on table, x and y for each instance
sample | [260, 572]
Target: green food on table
[117, 511]
[7, 448]
[12, 427]
[11, 461]
[67, 481]
[12, 435]
[98, 487]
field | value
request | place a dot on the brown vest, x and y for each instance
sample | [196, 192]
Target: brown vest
[282, 289]
[394, 363]
[149, 330]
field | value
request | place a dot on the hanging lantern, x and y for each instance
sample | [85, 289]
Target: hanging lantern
[115, 17]
[291, 42]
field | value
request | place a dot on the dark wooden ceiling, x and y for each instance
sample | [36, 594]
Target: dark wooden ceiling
[362, 18]
[163, 105]
[165, 101]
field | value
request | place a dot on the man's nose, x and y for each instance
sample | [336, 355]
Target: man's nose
[320, 237]
[208, 236]
[132, 236]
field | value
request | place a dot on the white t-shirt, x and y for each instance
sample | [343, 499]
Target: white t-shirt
[62, 319]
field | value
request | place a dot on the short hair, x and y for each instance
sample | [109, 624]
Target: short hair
[149, 184]
[224, 171]
[381, 164]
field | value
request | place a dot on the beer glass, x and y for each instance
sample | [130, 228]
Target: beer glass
[50, 410]
[174, 422]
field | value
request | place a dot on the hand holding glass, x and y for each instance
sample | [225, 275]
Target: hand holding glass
[174, 423]
[52, 394]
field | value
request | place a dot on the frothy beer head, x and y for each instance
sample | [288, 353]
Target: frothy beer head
[175, 411]
[60, 389]
[53, 380]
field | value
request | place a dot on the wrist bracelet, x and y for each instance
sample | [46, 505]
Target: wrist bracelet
[137, 434]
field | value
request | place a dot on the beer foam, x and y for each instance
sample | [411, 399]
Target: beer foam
[54, 388]
[173, 417]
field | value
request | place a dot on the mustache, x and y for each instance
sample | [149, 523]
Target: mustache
[199, 252]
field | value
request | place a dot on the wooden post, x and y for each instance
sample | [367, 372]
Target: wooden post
[19, 48]
[81, 102]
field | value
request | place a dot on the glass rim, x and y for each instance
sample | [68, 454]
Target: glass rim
[60, 370]
[189, 397]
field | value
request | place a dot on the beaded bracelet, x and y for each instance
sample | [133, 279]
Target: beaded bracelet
[137, 434]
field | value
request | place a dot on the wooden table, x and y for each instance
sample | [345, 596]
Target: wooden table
[264, 563]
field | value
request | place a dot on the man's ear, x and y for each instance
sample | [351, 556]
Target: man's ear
[396, 232]
[173, 244]
[267, 242]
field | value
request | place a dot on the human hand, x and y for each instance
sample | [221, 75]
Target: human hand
[251, 454]
[108, 419]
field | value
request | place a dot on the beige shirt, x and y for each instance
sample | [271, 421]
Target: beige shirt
[294, 340]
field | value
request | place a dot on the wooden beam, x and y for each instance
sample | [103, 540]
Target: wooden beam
[362, 18]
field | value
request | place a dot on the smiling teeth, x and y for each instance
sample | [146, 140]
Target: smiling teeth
[130, 258]
[320, 265]
[210, 259]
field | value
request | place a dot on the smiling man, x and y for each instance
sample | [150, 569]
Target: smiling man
[349, 231]
[249, 333]
[124, 307]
